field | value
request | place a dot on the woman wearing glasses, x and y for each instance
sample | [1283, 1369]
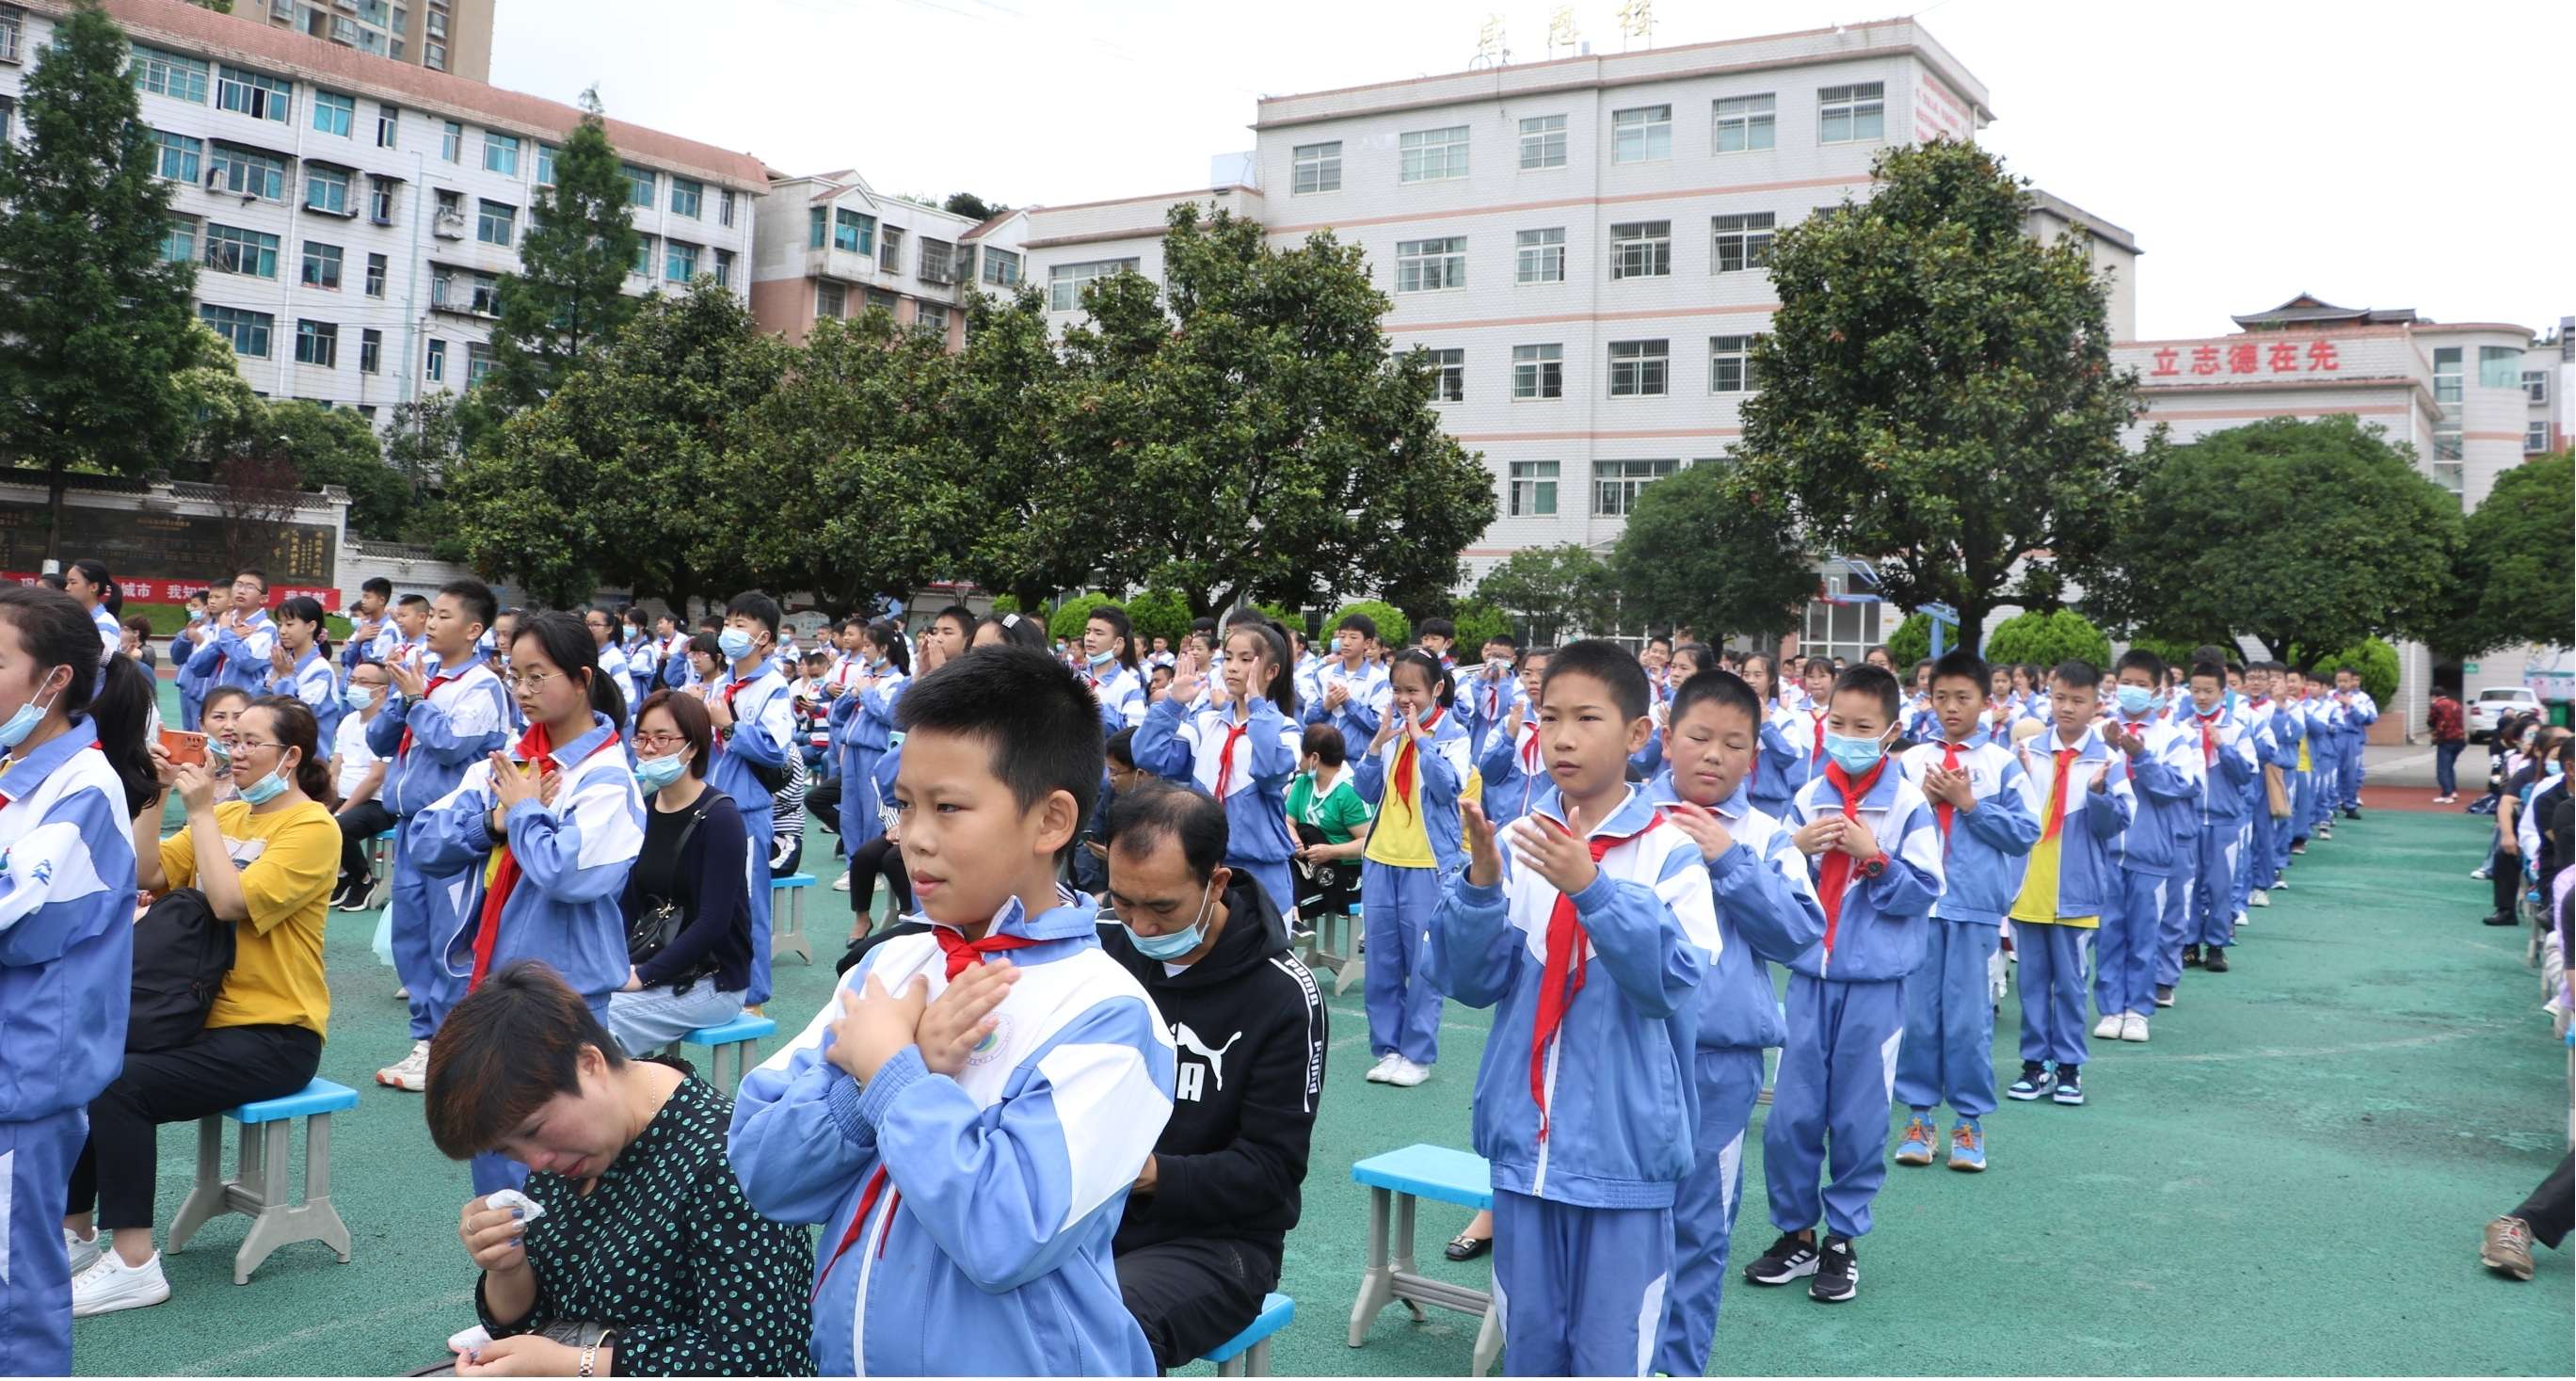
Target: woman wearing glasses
[688, 901]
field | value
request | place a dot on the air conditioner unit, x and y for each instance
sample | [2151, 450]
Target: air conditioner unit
[448, 225]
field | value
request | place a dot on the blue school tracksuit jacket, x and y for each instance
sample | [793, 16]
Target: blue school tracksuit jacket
[1245, 764]
[1358, 718]
[967, 1220]
[237, 659]
[1948, 1052]
[764, 732]
[314, 683]
[2290, 730]
[193, 683]
[2158, 854]
[1484, 706]
[862, 730]
[1120, 693]
[1773, 778]
[463, 720]
[66, 972]
[2231, 774]
[1513, 770]
[2360, 712]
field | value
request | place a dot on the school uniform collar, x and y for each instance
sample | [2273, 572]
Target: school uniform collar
[1629, 818]
[582, 747]
[1073, 917]
[2088, 749]
[23, 774]
[311, 655]
[1667, 792]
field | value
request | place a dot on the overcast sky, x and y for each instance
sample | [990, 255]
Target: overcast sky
[2372, 154]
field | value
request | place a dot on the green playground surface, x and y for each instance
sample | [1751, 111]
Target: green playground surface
[2290, 1179]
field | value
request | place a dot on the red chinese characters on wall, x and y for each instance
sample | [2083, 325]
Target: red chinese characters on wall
[2247, 357]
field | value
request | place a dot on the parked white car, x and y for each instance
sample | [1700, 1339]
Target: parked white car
[2493, 704]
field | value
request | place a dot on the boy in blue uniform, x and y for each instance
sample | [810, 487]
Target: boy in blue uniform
[1351, 690]
[1511, 764]
[2360, 712]
[1874, 850]
[2295, 730]
[2229, 752]
[1982, 809]
[2079, 787]
[2156, 853]
[238, 652]
[967, 1114]
[1766, 914]
[755, 720]
[1584, 1104]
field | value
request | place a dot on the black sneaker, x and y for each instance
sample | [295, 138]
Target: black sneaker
[2216, 962]
[2191, 956]
[2501, 918]
[2032, 1085]
[1789, 1258]
[1837, 1272]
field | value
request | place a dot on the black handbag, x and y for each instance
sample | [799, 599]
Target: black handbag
[659, 921]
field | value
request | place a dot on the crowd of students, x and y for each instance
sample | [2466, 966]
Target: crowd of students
[1609, 849]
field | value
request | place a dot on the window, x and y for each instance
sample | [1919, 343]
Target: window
[930, 316]
[248, 252]
[1737, 243]
[724, 268]
[442, 281]
[11, 22]
[1730, 364]
[371, 351]
[179, 241]
[1538, 371]
[1641, 249]
[1741, 124]
[853, 232]
[478, 362]
[495, 223]
[1642, 135]
[1637, 368]
[679, 261]
[1543, 142]
[388, 126]
[879, 300]
[500, 153]
[818, 227]
[451, 207]
[1851, 114]
[2535, 437]
[380, 200]
[1539, 256]
[687, 196]
[1452, 384]
[437, 367]
[1533, 489]
[434, 56]
[1065, 282]
[1001, 268]
[451, 142]
[1616, 483]
[487, 295]
[375, 275]
[321, 265]
[546, 165]
[1431, 155]
[326, 189]
[640, 183]
[180, 156]
[830, 300]
[938, 261]
[2446, 374]
[890, 250]
[254, 94]
[724, 207]
[241, 170]
[335, 112]
[1318, 168]
[317, 343]
[8, 112]
[1841, 630]
[168, 74]
[2535, 385]
[247, 331]
[1430, 265]
[2499, 366]
[642, 264]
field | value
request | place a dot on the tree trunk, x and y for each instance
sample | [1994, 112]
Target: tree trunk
[54, 510]
[1971, 633]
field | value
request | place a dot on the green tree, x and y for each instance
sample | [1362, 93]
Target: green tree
[1070, 617]
[2515, 573]
[1553, 592]
[971, 206]
[94, 322]
[1479, 621]
[2300, 533]
[1271, 444]
[337, 446]
[1394, 628]
[1159, 614]
[1937, 395]
[2045, 639]
[1911, 642]
[569, 293]
[1712, 550]
[1044, 510]
[2371, 658]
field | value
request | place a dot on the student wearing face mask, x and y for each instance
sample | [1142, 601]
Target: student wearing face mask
[862, 718]
[687, 903]
[1108, 667]
[358, 777]
[2157, 854]
[754, 714]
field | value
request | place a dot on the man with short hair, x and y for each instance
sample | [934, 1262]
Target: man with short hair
[1200, 1242]
[370, 624]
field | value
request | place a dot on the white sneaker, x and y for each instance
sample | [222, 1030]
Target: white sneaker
[841, 883]
[402, 994]
[2107, 1029]
[109, 1285]
[83, 1251]
[410, 1073]
[2133, 1027]
[1383, 1072]
[2242, 921]
[1407, 1074]
[2258, 897]
[2479, 872]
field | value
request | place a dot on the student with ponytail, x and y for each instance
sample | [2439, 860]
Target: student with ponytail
[300, 666]
[862, 718]
[1241, 748]
[87, 580]
[536, 842]
[1417, 771]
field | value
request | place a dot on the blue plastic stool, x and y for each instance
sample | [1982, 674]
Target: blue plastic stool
[740, 1036]
[1248, 1353]
[275, 1222]
[1397, 1182]
[791, 935]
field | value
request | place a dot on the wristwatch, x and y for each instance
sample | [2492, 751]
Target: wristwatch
[1874, 865]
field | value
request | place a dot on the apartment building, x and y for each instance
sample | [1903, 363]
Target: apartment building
[351, 216]
[453, 36]
[830, 245]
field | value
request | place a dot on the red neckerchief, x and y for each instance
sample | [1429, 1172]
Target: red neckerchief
[963, 953]
[2209, 738]
[536, 749]
[1562, 977]
[403, 749]
[1942, 809]
[1225, 756]
[1404, 762]
[1819, 717]
[2057, 792]
[1834, 878]
[859, 1224]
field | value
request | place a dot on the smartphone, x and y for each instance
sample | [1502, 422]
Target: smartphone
[184, 747]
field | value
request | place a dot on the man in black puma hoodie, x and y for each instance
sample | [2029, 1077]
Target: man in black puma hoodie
[1200, 1243]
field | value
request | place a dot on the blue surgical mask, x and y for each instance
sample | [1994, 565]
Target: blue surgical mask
[1179, 942]
[15, 729]
[2135, 700]
[1856, 755]
[357, 697]
[263, 791]
[2554, 768]
[653, 774]
[1098, 658]
[216, 749]
[735, 642]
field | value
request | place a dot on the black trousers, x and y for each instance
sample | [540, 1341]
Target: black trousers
[2551, 1209]
[224, 1067]
[2506, 879]
[359, 826]
[1193, 1293]
[878, 855]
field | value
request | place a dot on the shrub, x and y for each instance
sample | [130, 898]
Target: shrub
[1393, 628]
[2044, 640]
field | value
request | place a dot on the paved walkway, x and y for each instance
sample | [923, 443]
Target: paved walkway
[2289, 1180]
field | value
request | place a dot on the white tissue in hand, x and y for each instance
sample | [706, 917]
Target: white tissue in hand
[529, 1209]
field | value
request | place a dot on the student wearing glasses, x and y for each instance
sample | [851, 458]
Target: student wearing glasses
[688, 901]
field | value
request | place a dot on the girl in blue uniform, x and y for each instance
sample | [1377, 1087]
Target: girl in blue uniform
[1242, 749]
[302, 664]
[1415, 774]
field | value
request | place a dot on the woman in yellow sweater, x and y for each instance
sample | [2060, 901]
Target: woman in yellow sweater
[265, 864]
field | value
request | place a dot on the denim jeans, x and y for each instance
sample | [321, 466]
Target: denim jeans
[2446, 766]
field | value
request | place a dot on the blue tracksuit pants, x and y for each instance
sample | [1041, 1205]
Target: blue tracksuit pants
[192, 711]
[757, 823]
[1837, 1072]
[36, 1290]
[2124, 950]
[415, 953]
[1580, 1291]
[1949, 1051]
[2328, 788]
[2264, 868]
[2217, 899]
[2351, 774]
[1704, 1208]
[2303, 800]
[2052, 993]
[1403, 1008]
